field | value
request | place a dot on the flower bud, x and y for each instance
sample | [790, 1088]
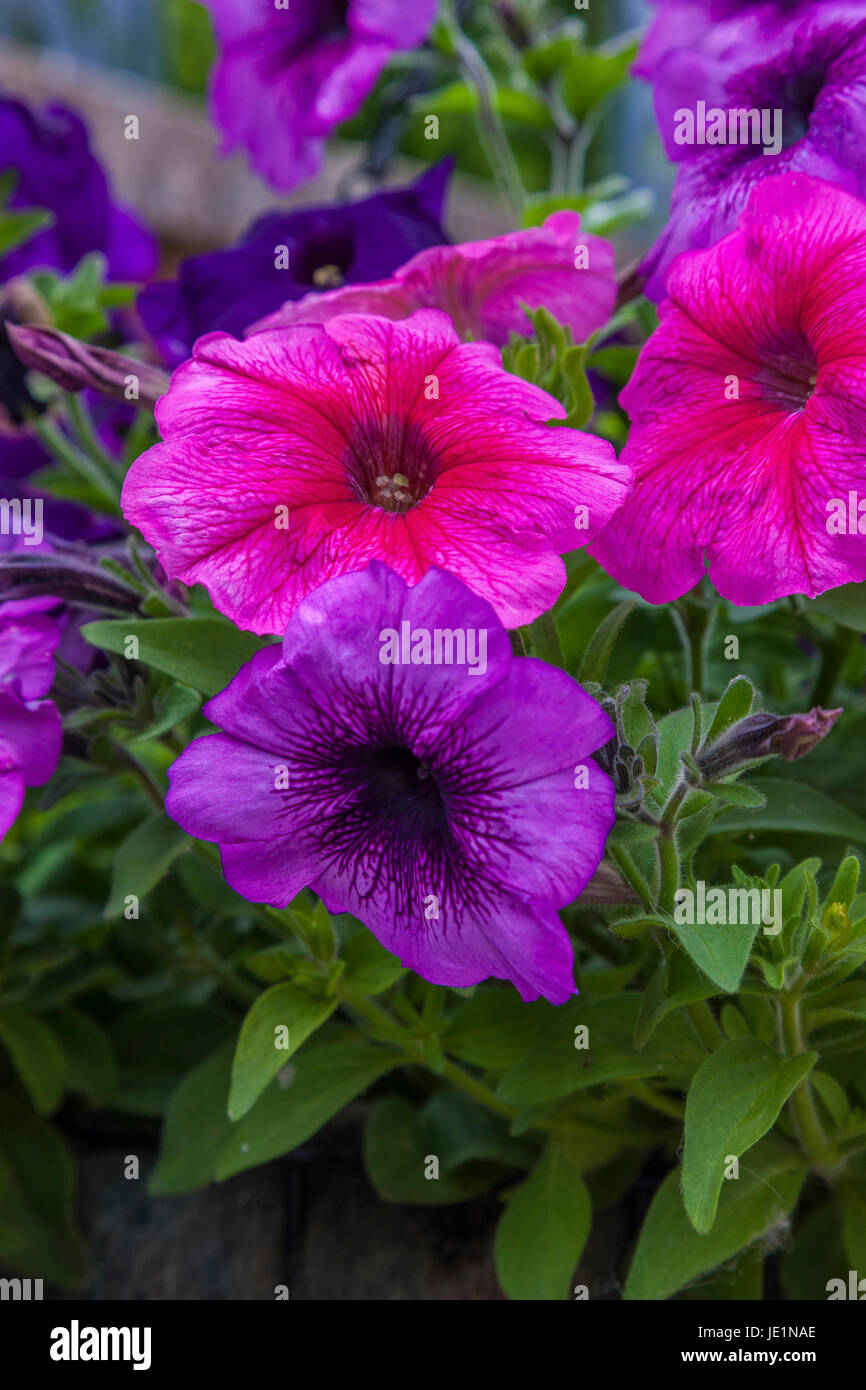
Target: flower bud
[74, 365]
[788, 736]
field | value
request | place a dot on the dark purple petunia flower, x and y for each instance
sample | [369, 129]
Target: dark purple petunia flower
[396, 758]
[816, 79]
[56, 169]
[346, 243]
[289, 72]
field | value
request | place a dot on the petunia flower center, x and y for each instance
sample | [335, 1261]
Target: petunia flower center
[400, 787]
[788, 381]
[391, 465]
[323, 261]
[798, 101]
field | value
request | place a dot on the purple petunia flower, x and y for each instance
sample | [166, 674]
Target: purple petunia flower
[30, 727]
[396, 758]
[725, 28]
[56, 169]
[814, 76]
[287, 74]
[345, 243]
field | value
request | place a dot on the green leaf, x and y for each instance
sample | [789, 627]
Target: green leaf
[16, 227]
[143, 858]
[196, 1127]
[370, 969]
[258, 1059]
[458, 99]
[837, 1005]
[555, 1067]
[36, 1056]
[737, 794]
[495, 1028]
[543, 1230]
[93, 1069]
[157, 1045]
[795, 806]
[327, 1075]
[735, 704]
[675, 983]
[721, 951]
[601, 644]
[204, 653]
[471, 1146]
[670, 1254]
[179, 702]
[593, 73]
[735, 1097]
[38, 1229]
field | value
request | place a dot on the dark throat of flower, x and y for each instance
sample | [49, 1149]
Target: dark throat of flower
[789, 378]
[391, 465]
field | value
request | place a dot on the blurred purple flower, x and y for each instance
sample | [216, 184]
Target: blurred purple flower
[30, 727]
[345, 243]
[288, 74]
[56, 169]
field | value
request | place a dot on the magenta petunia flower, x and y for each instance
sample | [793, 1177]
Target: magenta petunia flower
[749, 432]
[483, 284]
[305, 452]
[396, 758]
[30, 727]
[288, 74]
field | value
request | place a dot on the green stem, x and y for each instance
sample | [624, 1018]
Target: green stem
[633, 878]
[78, 463]
[491, 131]
[801, 1105]
[708, 1029]
[669, 867]
[663, 1104]
[476, 1089]
[88, 438]
[246, 994]
[834, 654]
[545, 640]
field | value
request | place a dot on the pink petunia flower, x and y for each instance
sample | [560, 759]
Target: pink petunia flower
[306, 452]
[749, 426]
[483, 284]
[288, 73]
